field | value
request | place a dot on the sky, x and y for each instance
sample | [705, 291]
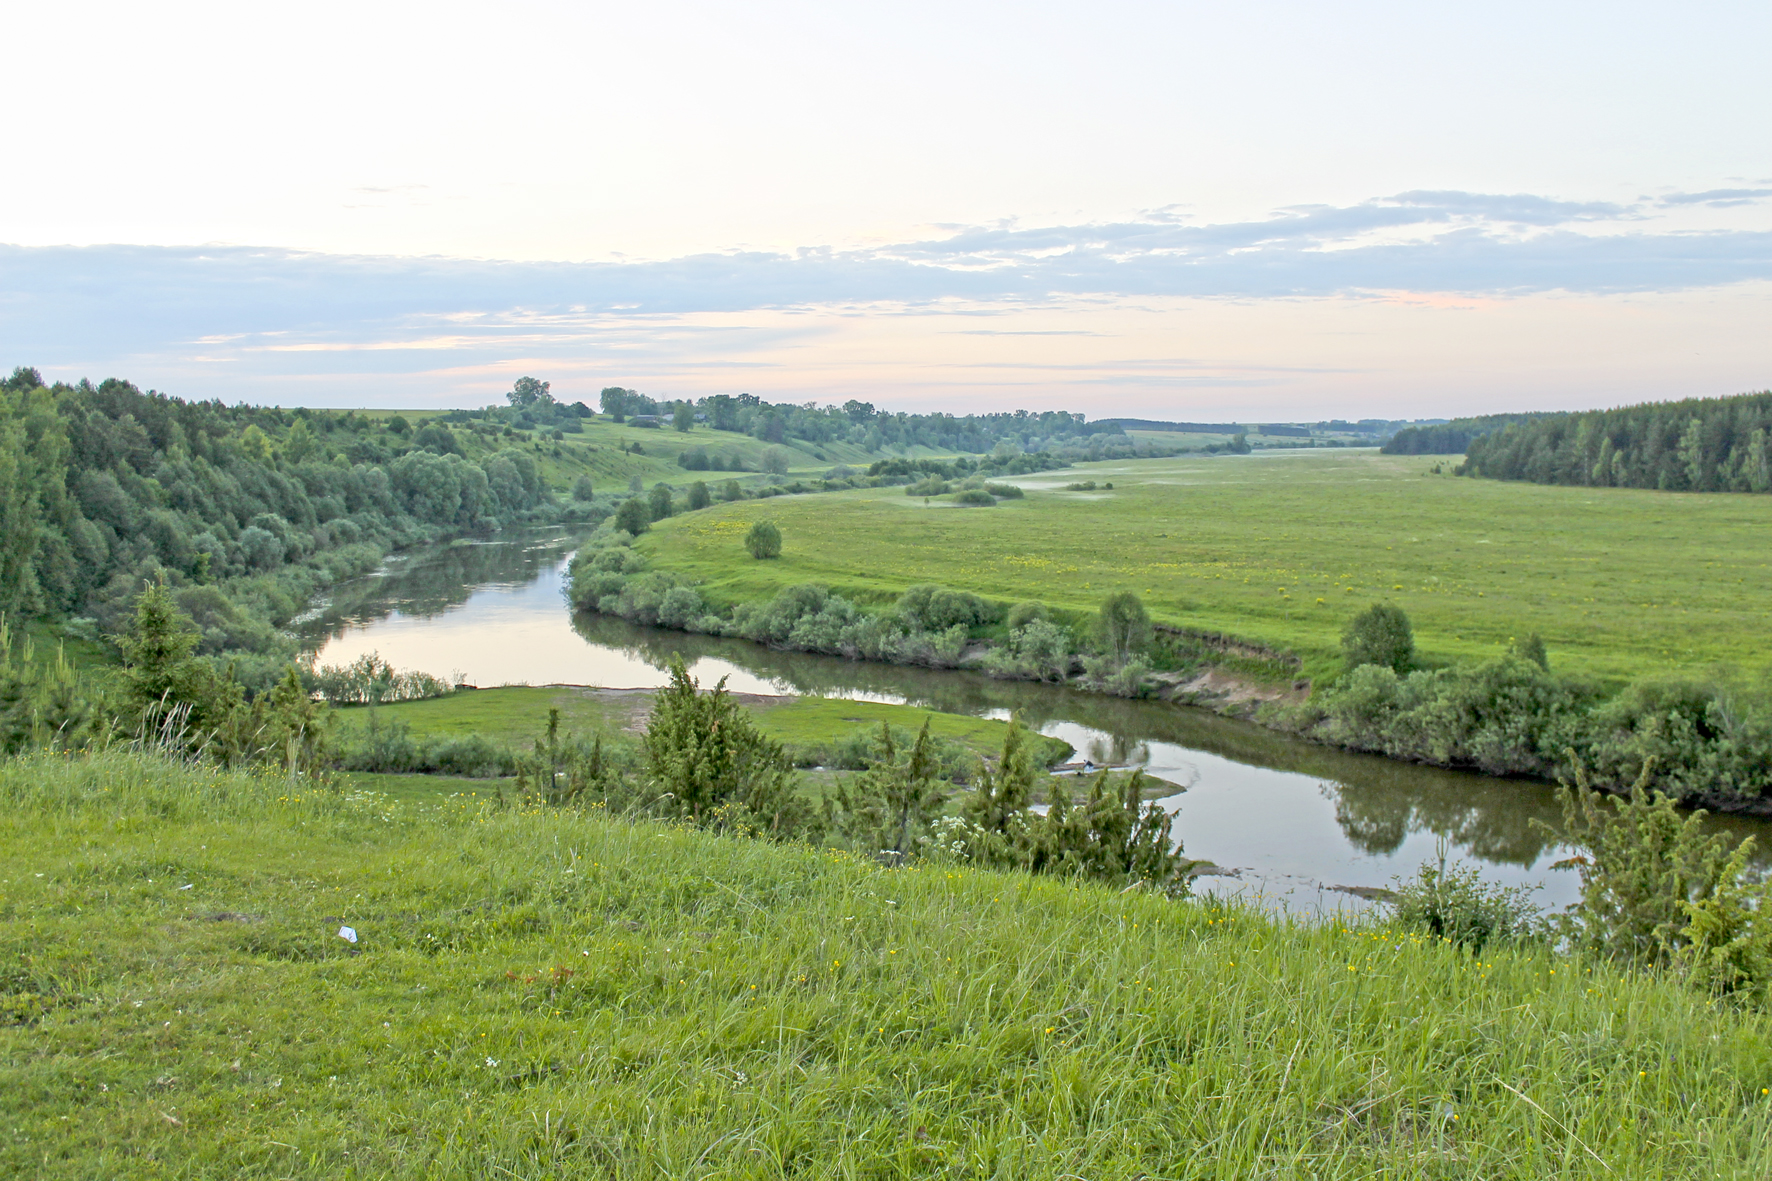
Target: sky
[1261, 211]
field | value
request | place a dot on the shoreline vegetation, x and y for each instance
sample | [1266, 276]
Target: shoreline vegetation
[1704, 741]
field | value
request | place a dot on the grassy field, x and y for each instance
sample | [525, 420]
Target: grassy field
[556, 995]
[1283, 548]
[519, 714]
[601, 452]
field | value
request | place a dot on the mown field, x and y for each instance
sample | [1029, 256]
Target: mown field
[1283, 548]
[547, 995]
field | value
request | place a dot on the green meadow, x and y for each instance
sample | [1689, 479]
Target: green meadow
[518, 714]
[555, 994]
[1283, 547]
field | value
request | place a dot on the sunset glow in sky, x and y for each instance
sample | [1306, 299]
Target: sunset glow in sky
[1265, 211]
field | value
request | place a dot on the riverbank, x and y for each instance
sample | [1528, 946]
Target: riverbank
[569, 995]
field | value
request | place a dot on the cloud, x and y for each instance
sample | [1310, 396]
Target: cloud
[1719, 198]
[287, 312]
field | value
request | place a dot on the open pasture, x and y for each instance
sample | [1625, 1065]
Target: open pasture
[1282, 548]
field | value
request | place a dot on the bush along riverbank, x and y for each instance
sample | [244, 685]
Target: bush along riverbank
[1703, 744]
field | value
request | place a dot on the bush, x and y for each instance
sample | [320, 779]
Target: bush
[659, 501]
[634, 516]
[582, 488]
[975, 498]
[1655, 891]
[730, 491]
[934, 608]
[1005, 491]
[1457, 905]
[1023, 614]
[1123, 625]
[698, 496]
[763, 541]
[1380, 635]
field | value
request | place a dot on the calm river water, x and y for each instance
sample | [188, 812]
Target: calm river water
[1291, 819]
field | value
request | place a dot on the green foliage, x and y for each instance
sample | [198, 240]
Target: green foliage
[1023, 614]
[157, 663]
[529, 392]
[776, 461]
[561, 771]
[1454, 904]
[975, 498]
[936, 608]
[888, 808]
[1379, 635]
[371, 680]
[1696, 445]
[698, 496]
[583, 488]
[763, 540]
[658, 502]
[708, 763]
[633, 515]
[683, 417]
[1655, 891]
[730, 491]
[1123, 626]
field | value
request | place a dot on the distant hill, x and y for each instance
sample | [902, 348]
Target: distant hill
[1189, 428]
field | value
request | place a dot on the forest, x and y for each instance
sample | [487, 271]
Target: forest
[1449, 438]
[1697, 445]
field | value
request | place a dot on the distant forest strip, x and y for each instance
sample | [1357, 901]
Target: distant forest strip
[1450, 438]
[1698, 445]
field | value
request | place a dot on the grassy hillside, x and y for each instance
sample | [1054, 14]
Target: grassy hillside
[554, 995]
[1284, 548]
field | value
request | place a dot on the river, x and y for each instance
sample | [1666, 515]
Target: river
[1291, 821]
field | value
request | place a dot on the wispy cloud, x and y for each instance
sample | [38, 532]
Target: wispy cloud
[246, 306]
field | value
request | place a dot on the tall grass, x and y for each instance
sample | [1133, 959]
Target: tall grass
[557, 994]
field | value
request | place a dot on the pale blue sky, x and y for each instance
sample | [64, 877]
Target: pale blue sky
[1266, 211]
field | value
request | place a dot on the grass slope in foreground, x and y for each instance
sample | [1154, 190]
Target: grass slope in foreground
[1284, 548]
[550, 995]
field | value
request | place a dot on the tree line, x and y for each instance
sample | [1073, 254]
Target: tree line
[1698, 445]
[243, 512]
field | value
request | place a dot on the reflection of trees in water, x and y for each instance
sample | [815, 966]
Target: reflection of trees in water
[1489, 819]
[429, 581]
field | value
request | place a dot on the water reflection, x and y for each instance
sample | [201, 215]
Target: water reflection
[1291, 817]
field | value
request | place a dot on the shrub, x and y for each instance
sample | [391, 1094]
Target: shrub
[583, 489]
[659, 501]
[708, 763]
[975, 498]
[1380, 635]
[634, 516]
[1655, 891]
[1457, 905]
[698, 496]
[763, 540]
[1123, 625]
[1023, 614]
[730, 491]
[1005, 491]
[934, 608]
